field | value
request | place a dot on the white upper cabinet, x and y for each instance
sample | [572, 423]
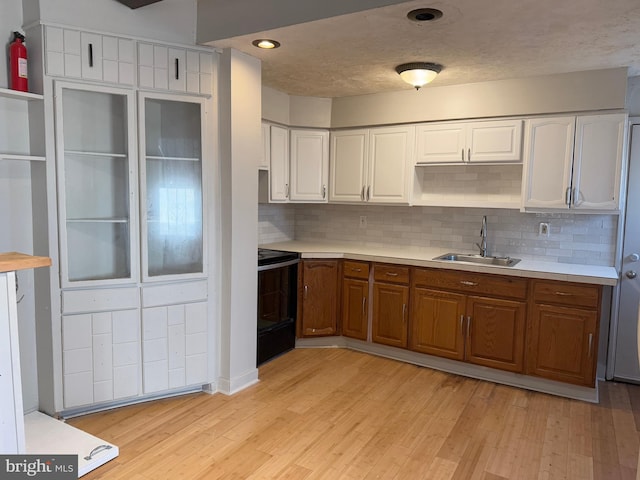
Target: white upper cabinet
[474, 142]
[173, 68]
[90, 56]
[309, 165]
[391, 154]
[349, 158]
[279, 171]
[599, 146]
[574, 162]
[372, 165]
[265, 158]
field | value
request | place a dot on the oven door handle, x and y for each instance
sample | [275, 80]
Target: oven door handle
[278, 265]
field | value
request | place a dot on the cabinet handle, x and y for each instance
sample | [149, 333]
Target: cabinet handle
[469, 327]
[362, 193]
[324, 192]
[567, 196]
[461, 322]
[368, 192]
[590, 344]
[391, 274]
[468, 155]
[177, 69]
[306, 290]
[356, 269]
[462, 154]
[404, 311]
[286, 190]
[91, 55]
[364, 303]
[563, 294]
[468, 283]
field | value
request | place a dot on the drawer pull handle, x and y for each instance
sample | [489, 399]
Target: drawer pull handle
[461, 322]
[468, 283]
[306, 291]
[590, 344]
[391, 274]
[563, 294]
[404, 310]
[356, 269]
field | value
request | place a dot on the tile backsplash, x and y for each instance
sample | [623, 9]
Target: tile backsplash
[585, 239]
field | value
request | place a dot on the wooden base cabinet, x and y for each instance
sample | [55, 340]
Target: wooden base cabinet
[563, 332]
[355, 300]
[390, 305]
[318, 298]
[476, 328]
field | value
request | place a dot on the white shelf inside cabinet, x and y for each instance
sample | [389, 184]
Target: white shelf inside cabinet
[24, 158]
[8, 93]
[178, 159]
[475, 186]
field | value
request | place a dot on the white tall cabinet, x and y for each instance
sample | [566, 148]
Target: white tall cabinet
[133, 167]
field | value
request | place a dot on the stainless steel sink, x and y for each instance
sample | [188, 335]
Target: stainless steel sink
[471, 258]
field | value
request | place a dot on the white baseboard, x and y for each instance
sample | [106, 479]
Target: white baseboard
[234, 385]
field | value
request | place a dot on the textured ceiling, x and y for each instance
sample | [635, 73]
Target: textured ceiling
[475, 40]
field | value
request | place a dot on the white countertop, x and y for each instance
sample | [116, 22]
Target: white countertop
[423, 257]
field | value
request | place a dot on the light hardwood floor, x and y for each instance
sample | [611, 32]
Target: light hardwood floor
[339, 414]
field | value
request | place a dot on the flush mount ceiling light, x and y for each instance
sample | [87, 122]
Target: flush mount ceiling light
[418, 74]
[265, 43]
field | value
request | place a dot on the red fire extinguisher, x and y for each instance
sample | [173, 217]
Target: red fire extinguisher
[18, 61]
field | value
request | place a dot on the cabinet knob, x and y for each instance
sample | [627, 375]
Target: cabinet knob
[634, 257]
[631, 274]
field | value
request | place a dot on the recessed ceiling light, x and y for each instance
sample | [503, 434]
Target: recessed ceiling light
[265, 43]
[424, 15]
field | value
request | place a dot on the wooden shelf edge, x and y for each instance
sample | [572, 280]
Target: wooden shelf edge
[15, 94]
[12, 261]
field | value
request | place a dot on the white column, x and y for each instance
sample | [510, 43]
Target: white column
[240, 144]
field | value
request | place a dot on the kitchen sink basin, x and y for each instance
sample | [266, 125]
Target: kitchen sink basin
[471, 258]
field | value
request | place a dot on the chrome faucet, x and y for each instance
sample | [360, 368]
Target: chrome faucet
[483, 232]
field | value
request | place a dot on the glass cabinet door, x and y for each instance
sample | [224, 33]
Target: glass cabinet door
[95, 171]
[172, 197]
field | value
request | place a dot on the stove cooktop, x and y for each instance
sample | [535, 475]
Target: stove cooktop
[269, 257]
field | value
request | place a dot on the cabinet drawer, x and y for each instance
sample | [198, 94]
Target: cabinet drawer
[566, 293]
[390, 273]
[470, 282]
[356, 270]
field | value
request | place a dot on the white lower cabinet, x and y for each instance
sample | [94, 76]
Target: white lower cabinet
[174, 346]
[101, 357]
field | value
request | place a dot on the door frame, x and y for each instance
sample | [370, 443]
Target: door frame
[615, 298]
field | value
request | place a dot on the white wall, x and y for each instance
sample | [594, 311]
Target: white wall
[295, 111]
[240, 145]
[633, 96]
[169, 20]
[570, 92]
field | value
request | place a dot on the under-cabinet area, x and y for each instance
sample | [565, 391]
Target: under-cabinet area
[547, 329]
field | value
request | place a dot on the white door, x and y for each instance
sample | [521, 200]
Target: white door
[598, 161]
[499, 141]
[309, 163]
[349, 156]
[391, 151]
[441, 143]
[279, 169]
[627, 360]
[548, 158]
